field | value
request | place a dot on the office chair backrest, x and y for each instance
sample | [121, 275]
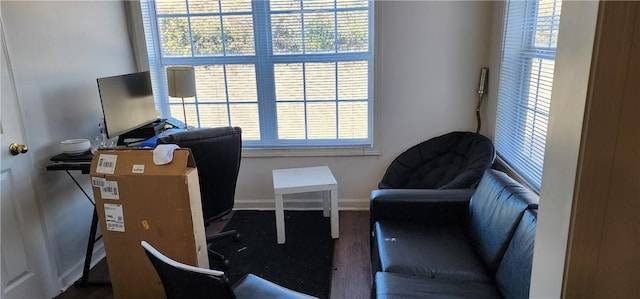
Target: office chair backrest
[217, 153]
[452, 161]
[184, 281]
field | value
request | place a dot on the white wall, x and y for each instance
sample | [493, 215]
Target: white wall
[570, 83]
[429, 58]
[58, 49]
[490, 105]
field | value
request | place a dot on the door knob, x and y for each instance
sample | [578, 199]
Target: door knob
[16, 149]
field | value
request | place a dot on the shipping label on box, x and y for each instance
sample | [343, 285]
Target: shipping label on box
[114, 217]
[106, 163]
[108, 189]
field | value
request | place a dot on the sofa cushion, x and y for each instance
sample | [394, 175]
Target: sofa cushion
[427, 251]
[494, 212]
[394, 285]
[514, 273]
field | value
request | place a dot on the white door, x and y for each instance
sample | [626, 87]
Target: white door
[26, 267]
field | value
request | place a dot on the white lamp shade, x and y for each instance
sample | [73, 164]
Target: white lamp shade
[181, 81]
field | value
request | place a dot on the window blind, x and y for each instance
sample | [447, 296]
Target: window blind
[291, 73]
[526, 82]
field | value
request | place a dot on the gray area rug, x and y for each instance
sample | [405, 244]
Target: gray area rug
[303, 263]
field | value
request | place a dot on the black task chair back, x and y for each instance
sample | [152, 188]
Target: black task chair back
[452, 161]
[182, 281]
[217, 153]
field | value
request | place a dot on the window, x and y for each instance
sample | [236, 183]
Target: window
[290, 73]
[526, 80]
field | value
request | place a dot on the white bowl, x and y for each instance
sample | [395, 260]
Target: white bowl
[75, 147]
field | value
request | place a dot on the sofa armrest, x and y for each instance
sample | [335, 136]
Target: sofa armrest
[444, 206]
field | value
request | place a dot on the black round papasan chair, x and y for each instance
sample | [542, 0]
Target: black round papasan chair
[454, 160]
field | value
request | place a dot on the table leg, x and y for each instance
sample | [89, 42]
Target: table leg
[84, 280]
[326, 203]
[335, 227]
[280, 219]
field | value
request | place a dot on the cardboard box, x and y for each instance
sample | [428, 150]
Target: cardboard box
[138, 200]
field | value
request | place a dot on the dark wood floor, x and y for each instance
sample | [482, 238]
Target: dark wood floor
[351, 263]
[351, 268]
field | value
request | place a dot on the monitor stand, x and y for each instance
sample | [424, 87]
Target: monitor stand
[145, 132]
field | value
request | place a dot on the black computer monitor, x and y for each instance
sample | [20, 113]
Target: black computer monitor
[127, 104]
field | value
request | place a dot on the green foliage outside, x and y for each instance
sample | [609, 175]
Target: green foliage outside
[237, 38]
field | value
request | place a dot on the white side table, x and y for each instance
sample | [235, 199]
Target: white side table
[306, 179]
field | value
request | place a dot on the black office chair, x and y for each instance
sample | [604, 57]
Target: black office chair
[181, 281]
[217, 154]
[455, 160]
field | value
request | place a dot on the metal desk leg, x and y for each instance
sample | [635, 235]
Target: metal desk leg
[84, 279]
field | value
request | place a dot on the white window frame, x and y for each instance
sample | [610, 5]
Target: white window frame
[269, 145]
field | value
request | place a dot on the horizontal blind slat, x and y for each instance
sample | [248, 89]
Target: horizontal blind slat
[526, 84]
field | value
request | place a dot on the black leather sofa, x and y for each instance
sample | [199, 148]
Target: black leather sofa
[456, 243]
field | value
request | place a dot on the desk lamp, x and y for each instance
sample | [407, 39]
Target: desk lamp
[181, 81]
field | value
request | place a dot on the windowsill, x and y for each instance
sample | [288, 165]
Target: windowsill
[504, 167]
[308, 152]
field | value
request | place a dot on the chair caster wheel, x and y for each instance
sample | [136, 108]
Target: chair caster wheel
[226, 263]
[236, 237]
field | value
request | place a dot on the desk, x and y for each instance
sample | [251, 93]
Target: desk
[83, 164]
[306, 179]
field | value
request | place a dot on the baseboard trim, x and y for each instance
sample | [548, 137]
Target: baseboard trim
[299, 204]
